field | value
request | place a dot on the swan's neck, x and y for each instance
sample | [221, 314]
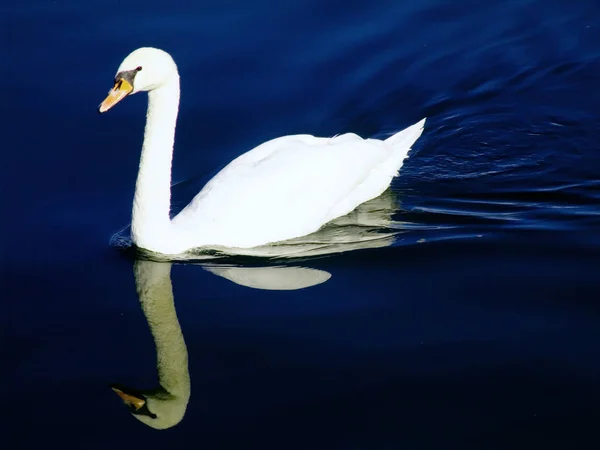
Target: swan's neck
[153, 282]
[150, 222]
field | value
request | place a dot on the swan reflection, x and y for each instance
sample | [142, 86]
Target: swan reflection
[164, 406]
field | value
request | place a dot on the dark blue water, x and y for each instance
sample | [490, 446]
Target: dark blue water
[478, 327]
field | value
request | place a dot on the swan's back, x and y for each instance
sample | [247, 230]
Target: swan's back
[291, 186]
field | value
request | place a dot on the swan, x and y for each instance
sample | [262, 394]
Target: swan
[165, 406]
[284, 188]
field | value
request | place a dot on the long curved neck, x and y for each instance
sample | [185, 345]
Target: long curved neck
[150, 222]
[153, 284]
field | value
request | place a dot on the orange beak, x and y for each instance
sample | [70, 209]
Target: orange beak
[130, 400]
[120, 90]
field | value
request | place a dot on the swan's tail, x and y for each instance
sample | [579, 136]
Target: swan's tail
[408, 136]
[402, 142]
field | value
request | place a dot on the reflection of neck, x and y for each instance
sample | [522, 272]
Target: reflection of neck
[150, 221]
[153, 283]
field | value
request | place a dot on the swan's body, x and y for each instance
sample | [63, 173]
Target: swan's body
[285, 188]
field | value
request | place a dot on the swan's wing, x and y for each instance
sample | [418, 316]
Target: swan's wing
[288, 187]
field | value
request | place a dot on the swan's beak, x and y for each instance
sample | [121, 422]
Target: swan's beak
[120, 90]
[133, 401]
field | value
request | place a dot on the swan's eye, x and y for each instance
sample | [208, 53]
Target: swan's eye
[138, 68]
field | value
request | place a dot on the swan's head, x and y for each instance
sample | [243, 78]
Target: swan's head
[144, 69]
[158, 409]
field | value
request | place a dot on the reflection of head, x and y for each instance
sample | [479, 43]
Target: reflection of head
[166, 405]
[157, 409]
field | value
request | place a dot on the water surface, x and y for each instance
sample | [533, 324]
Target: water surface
[475, 326]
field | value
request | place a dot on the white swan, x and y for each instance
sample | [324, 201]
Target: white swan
[283, 189]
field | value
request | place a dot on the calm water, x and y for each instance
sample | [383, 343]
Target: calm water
[477, 326]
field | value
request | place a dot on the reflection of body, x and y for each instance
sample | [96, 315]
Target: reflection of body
[164, 406]
[285, 188]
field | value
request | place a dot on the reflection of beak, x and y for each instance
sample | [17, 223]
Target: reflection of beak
[120, 90]
[131, 400]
